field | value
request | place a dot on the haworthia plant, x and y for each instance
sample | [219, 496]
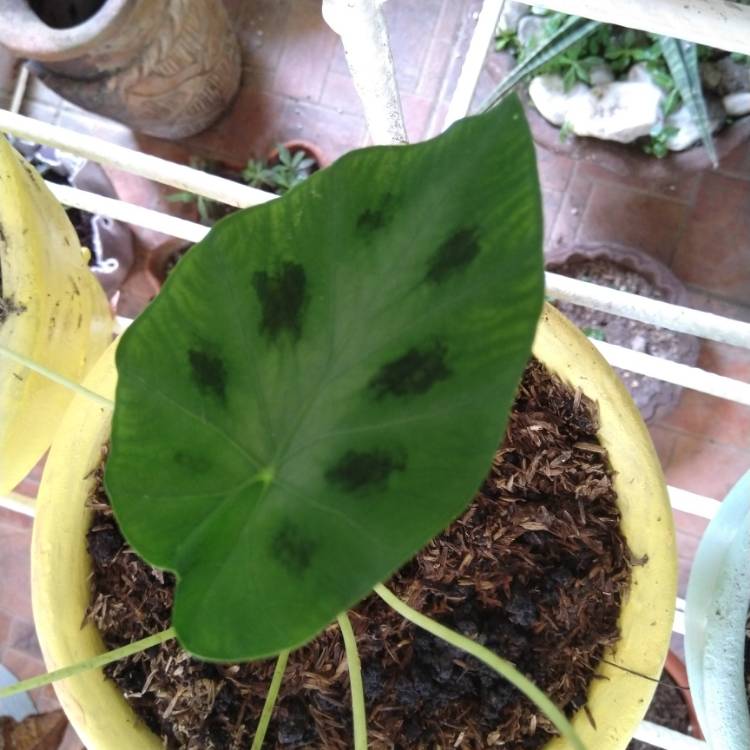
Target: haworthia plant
[682, 59]
[320, 386]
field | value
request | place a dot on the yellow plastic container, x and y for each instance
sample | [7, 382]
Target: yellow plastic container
[66, 323]
[60, 564]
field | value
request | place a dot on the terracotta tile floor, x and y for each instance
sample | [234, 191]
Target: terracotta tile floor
[296, 84]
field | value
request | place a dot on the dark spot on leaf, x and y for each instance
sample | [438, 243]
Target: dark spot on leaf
[209, 372]
[359, 470]
[457, 252]
[192, 462]
[282, 297]
[413, 373]
[372, 219]
[293, 548]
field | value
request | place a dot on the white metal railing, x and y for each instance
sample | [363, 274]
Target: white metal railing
[715, 23]
[724, 25]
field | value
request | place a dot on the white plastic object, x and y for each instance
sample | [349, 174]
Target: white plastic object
[718, 599]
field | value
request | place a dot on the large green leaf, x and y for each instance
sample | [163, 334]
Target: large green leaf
[320, 386]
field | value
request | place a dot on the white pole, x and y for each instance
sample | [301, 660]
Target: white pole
[483, 34]
[129, 212]
[675, 372]
[667, 739]
[364, 34]
[664, 314]
[130, 160]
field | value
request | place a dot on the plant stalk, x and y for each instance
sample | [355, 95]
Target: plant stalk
[355, 679]
[83, 666]
[503, 667]
[56, 377]
[268, 706]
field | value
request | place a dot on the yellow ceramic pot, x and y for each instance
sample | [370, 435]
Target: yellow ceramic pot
[60, 317]
[60, 562]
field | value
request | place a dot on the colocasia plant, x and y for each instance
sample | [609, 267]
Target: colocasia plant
[321, 385]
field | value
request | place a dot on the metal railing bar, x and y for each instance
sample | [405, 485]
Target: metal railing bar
[664, 314]
[484, 32]
[724, 24]
[154, 168]
[695, 378]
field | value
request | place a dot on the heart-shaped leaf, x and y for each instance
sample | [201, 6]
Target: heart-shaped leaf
[321, 385]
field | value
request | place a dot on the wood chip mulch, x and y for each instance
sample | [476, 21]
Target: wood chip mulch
[535, 569]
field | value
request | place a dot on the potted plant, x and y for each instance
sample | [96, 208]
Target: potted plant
[716, 620]
[416, 321]
[623, 86]
[168, 69]
[52, 311]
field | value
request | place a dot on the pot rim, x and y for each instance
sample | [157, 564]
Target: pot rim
[26, 35]
[60, 564]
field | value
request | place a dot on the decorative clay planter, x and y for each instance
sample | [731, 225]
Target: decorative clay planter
[60, 563]
[62, 322]
[657, 403]
[168, 68]
[718, 598]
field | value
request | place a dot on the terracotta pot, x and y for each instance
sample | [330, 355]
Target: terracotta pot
[662, 401]
[618, 699]
[161, 260]
[677, 671]
[167, 68]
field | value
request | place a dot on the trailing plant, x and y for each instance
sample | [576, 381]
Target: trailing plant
[364, 332]
[279, 177]
[571, 48]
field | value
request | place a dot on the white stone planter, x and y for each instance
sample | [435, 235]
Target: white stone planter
[717, 604]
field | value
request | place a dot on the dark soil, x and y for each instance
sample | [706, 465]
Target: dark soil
[659, 342]
[65, 15]
[174, 259]
[535, 569]
[8, 306]
[81, 220]
[668, 709]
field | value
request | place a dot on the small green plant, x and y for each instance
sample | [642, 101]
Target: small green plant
[595, 333]
[279, 177]
[291, 169]
[658, 140]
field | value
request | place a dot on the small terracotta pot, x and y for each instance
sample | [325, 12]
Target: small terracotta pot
[161, 258]
[168, 68]
[677, 671]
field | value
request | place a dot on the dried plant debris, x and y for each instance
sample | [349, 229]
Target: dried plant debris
[747, 660]
[535, 569]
